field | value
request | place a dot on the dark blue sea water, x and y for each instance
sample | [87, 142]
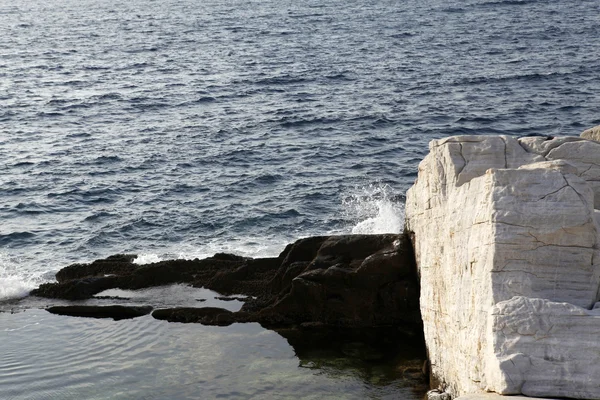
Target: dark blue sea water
[182, 128]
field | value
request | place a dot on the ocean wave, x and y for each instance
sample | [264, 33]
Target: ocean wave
[508, 3]
[99, 215]
[282, 80]
[15, 239]
[526, 76]
[266, 246]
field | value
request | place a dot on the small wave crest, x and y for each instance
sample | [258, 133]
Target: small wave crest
[15, 283]
[374, 209]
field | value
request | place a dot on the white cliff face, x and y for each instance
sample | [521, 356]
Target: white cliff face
[494, 396]
[547, 348]
[506, 241]
[582, 154]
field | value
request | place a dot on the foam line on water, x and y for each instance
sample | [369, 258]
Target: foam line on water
[244, 246]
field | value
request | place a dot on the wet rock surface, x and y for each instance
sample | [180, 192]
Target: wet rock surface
[204, 315]
[357, 281]
[116, 312]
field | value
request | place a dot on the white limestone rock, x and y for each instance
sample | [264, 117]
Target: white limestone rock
[495, 396]
[437, 395]
[592, 133]
[495, 219]
[580, 153]
[556, 345]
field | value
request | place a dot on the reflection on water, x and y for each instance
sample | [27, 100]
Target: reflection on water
[44, 356]
[385, 358]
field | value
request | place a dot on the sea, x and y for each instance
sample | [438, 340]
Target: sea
[178, 129]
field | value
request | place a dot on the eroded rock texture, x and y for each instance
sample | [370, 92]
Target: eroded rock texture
[343, 281]
[506, 243]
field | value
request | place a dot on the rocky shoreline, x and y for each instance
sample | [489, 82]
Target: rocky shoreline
[353, 281]
[495, 282]
[353, 293]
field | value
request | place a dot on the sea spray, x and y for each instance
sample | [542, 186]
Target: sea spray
[14, 283]
[371, 209]
[147, 258]
[374, 209]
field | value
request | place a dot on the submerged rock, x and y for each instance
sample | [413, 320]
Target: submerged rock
[204, 315]
[116, 312]
[377, 355]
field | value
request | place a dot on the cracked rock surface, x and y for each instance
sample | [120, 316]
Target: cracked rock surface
[506, 240]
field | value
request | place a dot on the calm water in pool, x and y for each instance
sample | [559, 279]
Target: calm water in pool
[43, 356]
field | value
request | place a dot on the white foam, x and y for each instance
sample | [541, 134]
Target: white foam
[244, 246]
[15, 281]
[14, 287]
[370, 210]
[147, 258]
[373, 210]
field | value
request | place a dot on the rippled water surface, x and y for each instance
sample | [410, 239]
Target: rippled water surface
[179, 128]
[182, 128]
[43, 357]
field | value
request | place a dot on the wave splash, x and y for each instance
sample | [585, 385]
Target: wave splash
[375, 209]
[147, 258]
[14, 283]
[372, 209]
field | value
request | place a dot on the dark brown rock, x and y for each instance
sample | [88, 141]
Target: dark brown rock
[118, 264]
[203, 315]
[82, 281]
[355, 280]
[115, 312]
[344, 281]
[76, 289]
